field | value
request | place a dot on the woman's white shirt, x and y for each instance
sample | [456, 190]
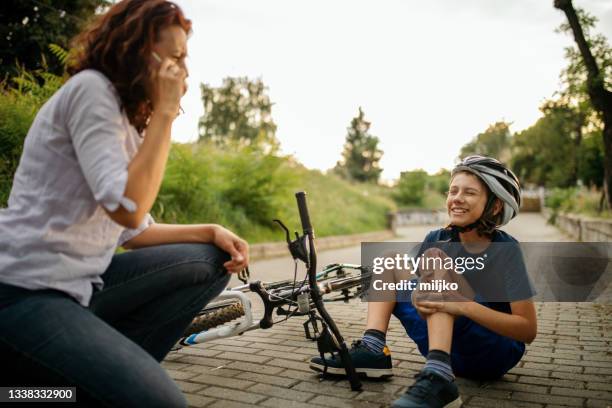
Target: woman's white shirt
[55, 233]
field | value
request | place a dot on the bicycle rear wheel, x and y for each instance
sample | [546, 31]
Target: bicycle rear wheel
[215, 316]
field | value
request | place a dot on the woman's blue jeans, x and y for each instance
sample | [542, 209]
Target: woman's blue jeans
[111, 350]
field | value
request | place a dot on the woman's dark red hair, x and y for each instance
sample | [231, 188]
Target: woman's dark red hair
[119, 44]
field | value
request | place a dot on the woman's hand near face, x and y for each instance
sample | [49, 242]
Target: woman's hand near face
[169, 84]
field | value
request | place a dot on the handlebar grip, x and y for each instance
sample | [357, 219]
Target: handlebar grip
[300, 196]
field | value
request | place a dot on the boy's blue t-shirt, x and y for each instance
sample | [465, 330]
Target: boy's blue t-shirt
[503, 279]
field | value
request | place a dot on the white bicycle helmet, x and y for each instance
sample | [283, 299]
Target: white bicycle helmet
[502, 182]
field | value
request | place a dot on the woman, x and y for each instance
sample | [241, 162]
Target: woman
[481, 338]
[72, 312]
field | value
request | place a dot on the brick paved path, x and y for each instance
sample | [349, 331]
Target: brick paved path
[569, 364]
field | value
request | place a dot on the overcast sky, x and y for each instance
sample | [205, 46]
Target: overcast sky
[430, 75]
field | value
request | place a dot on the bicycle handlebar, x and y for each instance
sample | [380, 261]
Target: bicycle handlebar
[300, 196]
[333, 334]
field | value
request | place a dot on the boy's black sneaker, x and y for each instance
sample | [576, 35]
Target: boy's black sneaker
[365, 361]
[430, 391]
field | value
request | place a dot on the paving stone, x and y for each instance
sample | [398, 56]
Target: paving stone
[509, 386]
[276, 347]
[485, 392]
[551, 382]
[548, 399]
[291, 394]
[180, 375]
[212, 379]
[382, 386]
[593, 403]
[326, 388]
[376, 397]
[555, 367]
[187, 386]
[230, 404]
[174, 365]
[219, 370]
[255, 368]
[244, 357]
[198, 350]
[232, 395]
[490, 402]
[284, 355]
[599, 386]
[309, 376]
[579, 377]
[294, 365]
[335, 402]
[598, 370]
[268, 379]
[284, 403]
[604, 395]
[198, 400]
[233, 349]
[207, 361]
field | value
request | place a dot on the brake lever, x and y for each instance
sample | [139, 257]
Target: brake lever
[297, 247]
[287, 236]
[244, 275]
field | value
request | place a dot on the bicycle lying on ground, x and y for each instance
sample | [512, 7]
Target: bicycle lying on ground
[289, 298]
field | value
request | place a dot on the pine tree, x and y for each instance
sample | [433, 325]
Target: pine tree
[361, 155]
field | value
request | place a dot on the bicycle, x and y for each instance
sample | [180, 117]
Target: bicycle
[306, 297]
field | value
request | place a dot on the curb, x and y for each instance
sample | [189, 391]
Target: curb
[276, 249]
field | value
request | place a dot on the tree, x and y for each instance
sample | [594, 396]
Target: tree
[28, 27]
[597, 82]
[410, 189]
[439, 181]
[239, 111]
[493, 142]
[591, 160]
[546, 153]
[361, 155]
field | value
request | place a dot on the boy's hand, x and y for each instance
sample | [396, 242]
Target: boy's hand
[453, 308]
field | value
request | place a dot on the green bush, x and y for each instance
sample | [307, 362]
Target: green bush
[578, 200]
[410, 190]
[245, 190]
[255, 184]
[561, 199]
[240, 188]
[19, 104]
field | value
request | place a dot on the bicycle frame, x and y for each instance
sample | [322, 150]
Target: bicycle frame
[248, 322]
[328, 337]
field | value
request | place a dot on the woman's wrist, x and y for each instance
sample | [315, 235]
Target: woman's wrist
[165, 114]
[208, 232]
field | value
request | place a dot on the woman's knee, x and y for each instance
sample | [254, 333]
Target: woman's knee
[205, 260]
[205, 252]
